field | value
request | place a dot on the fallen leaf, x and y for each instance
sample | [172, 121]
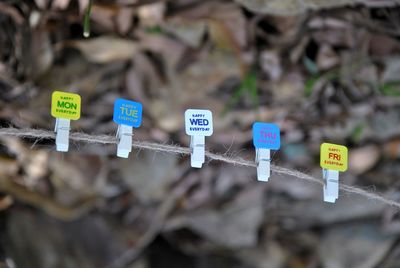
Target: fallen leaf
[292, 7]
[383, 45]
[6, 202]
[36, 166]
[315, 212]
[363, 159]
[151, 15]
[105, 49]
[8, 167]
[149, 175]
[271, 255]
[105, 17]
[274, 7]
[326, 57]
[227, 26]
[42, 4]
[391, 73]
[190, 31]
[235, 225]
[83, 4]
[124, 19]
[271, 64]
[38, 53]
[354, 245]
[60, 4]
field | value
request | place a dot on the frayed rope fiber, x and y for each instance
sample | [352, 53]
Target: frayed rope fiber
[237, 161]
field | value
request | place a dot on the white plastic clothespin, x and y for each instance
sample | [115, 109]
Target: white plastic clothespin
[198, 124]
[331, 186]
[124, 136]
[127, 114]
[266, 137]
[61, 129]
[64, 107]
[333, 159]
[263, 161]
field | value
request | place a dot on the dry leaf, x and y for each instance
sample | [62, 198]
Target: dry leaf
[106, 49]
[151, 15]
[235, 225]
[190, 31]
[42, 4]
[149, 175]
[363, 159]
[327, 57]
[228, 27]
[275, 7]
[83, 5]
[104, 17]
[6, 202]
[356, 245]
[8, 167]
[271, 64]
[292, 7]
[124, 19]
[60, 4]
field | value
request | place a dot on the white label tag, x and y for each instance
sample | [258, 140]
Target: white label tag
[198, 122]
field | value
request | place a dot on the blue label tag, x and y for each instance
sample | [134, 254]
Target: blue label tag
[127, 112]
[266, 135]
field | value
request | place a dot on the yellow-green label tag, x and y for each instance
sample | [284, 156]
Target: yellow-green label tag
[65, 105]
[334, 157]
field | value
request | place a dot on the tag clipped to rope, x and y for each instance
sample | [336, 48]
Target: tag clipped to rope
[127, 114]
[333, 159]
[64, 107]
[266, 137]
[198, 124]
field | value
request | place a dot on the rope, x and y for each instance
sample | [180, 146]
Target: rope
[173, 149]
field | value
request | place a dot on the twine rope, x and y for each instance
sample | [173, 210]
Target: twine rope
[174, 149]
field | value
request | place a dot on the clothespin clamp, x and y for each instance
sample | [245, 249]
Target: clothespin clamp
[266, 137]
[64, 107]
[198, 124]
[333, 159]
[127, 114]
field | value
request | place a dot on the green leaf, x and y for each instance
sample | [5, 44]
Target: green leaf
[390, 89]
[309, 86]
[155, 30]
[310, 83]
[357, 132]
[310, 65]
[249, 86]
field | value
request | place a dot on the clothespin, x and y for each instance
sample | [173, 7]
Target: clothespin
[64, 107]
[198, 124]
[333, 159]
[127, 114]
[266, 137]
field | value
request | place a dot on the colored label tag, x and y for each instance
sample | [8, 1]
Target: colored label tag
[127, 112]
[333, 157]
[65, 105]
[266, 135]
[198, 122]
